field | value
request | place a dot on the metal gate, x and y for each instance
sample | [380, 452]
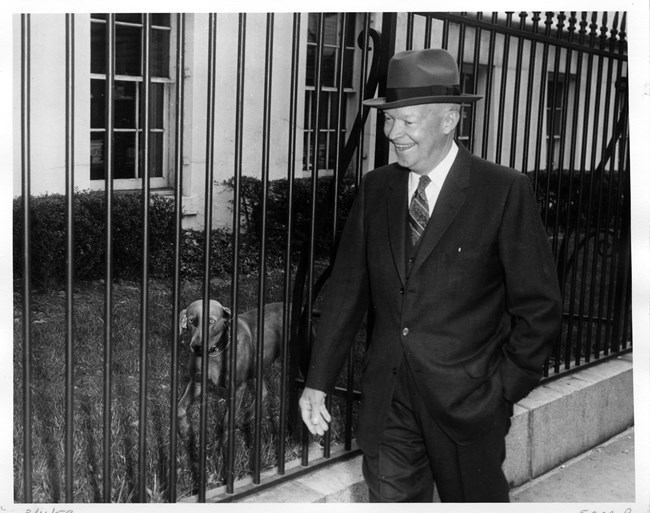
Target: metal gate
[555, 107]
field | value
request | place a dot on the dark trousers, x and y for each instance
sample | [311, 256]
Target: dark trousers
[415, 453]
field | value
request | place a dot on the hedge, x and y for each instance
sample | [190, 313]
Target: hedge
[48, 233]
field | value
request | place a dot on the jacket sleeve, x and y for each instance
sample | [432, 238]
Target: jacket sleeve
[345, 302]
[532, 291]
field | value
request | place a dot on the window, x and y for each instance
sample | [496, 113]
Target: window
[465, 129]
[333, 72]
[128, 95]
[555, 108]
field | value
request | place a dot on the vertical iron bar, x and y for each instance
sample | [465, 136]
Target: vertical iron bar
[579, 290]
[541, 106]
[291, 168]
[529, 92]
[550, 137]
[597, 175]
[239, 123]
[488, 91]
[27, 278]
[462, 29]
[570, 231]
[69, 307]
[209, 177]
[335, 208]
[504, 89]
[517, 95]
[178, 217]
[608, 195]
[108, 297]
[427, 32]
[476, 61]
[565, 135]
[144, 308]
[589, 197]
[314, 194]
[620, 106]
[550, 128]
[268, 74]
[409, 30]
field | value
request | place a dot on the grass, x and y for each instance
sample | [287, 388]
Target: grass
[48, 393]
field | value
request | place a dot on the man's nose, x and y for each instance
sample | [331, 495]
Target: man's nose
[393, 131]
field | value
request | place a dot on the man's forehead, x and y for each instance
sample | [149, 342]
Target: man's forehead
[410, 111]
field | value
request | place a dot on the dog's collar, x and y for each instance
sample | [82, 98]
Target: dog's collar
[226, 334]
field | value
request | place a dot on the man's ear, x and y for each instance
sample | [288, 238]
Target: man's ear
[182, 321]
[451, 120]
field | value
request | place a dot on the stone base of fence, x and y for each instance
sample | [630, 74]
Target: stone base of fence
[558, 421]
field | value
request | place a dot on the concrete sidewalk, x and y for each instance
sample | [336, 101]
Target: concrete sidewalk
[602, 474]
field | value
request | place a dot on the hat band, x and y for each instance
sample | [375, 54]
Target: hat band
[394, 94]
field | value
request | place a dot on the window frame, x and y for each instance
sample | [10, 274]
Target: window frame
[329, 94]
[156, 182]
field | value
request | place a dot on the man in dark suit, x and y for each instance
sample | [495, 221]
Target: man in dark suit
[448, 253]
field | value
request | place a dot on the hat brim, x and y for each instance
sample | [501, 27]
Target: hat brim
[381, 103]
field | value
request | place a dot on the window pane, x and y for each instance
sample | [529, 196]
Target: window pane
[329, 67]
[156, 153]
[129, 18]
[125, 105]
[98, 16]
[127, 51]
[348, 67]
[98, 48]
[161, 20]
[156, 103]
[350, 36]
[160, 53]
[125, 154]
[331, 29]
[308, 150]
[97, 109]
[97, 156]
[312, 29]
[311, 65]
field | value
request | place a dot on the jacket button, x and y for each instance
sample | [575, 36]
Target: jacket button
[401, 291]
[394, 370]
[405, 331]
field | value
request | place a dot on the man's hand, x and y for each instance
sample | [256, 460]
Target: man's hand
[314, 414]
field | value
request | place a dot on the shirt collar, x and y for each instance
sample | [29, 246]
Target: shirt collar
[440, 172]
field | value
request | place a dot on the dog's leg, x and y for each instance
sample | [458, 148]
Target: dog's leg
[225, 433]
[192, 391]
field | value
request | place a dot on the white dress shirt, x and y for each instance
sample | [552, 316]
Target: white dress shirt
[437, 176]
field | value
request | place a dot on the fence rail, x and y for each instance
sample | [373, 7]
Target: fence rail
[555, 106]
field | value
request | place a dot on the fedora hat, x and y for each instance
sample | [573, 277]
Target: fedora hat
[422, 76]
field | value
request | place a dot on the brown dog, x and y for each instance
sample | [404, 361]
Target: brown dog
[219, 342]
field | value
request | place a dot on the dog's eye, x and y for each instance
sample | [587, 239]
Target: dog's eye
[212, 321]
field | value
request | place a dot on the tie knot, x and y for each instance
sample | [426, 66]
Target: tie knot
[424, 181]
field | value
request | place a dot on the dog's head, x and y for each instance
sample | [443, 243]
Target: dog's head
[191, 320]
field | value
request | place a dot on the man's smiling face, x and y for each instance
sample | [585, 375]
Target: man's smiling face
[420, 134]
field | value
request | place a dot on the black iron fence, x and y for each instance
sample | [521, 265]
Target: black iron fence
[555, 107]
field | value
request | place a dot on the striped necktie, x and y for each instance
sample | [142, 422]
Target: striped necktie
[419, 210]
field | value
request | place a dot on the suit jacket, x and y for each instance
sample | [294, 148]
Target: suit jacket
[476, 314]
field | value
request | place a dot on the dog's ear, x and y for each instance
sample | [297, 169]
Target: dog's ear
[182, 321]
[226, 312]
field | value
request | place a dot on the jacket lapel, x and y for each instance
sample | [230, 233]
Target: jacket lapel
[450, 200]
[397, 205]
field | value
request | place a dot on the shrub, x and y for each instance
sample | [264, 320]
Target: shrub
[48, 233]
[278, 210]
[48, 237]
